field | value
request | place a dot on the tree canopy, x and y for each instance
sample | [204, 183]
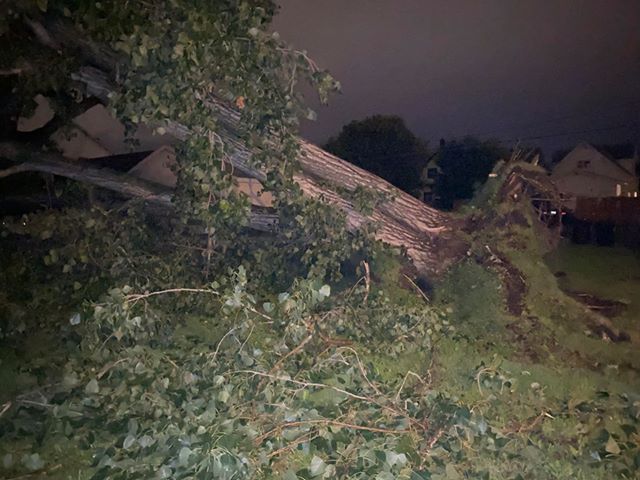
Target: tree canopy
[383, 145]
[464, 165]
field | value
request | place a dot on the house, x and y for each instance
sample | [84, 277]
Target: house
[97, 137]
[428, 179]
[158, 167]
[588, 172]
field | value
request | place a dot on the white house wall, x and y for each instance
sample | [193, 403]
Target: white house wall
[598, 164]
[577, 185]
[109, 132]
[42, 115]
[629, 164]
[96, 133]
[158, 168]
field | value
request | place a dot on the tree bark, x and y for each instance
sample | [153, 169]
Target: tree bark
[127, 185]
[430, 237]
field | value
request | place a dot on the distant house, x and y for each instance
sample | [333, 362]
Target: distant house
[428, 179]
[588, 172]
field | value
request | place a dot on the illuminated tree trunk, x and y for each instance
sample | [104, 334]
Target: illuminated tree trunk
[431, 238]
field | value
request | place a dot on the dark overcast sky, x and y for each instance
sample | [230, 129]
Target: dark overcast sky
[504, 68]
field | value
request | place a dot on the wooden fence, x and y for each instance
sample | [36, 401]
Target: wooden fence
[615, 210]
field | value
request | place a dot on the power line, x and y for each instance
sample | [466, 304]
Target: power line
[464, 148]
[579, 132]
[544, 122]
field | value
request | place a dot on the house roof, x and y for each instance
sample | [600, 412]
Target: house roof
[609, 158]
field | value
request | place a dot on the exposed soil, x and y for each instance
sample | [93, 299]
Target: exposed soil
[511, 279]
[607, 308]
[523, 330]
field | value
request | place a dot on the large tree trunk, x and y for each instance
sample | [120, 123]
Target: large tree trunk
[430, 237]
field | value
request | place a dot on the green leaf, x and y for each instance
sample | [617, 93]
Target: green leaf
[165, 472]
[325, 291]
[183, 456]
[452, 473]
[128, 442]
[70, 379]
[223, 396]
[146, 441]
[92, 387]
[394, 458]
[317, 466]
[33, 462]
[283, 297]
[132, 426]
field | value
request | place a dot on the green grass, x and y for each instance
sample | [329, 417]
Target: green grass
[556, 363]
[611, 273]
[509, 370]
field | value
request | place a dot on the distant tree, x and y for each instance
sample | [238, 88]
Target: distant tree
[384, 146]
[464, 165]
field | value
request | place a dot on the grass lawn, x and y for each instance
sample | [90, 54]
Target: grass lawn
[611, 273]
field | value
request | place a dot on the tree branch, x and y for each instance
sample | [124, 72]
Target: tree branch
[47, 162]
[13, 71]
[430, 237]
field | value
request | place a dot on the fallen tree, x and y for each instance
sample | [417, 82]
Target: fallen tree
[430, 237]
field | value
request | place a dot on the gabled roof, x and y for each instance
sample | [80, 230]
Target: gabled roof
[600, 154]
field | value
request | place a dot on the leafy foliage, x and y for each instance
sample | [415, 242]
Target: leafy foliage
[232, 378]
[121, 359]
[384, 146]
[464, 166]
[172, 61]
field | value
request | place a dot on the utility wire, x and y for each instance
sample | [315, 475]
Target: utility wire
[544, 122]
[579, 132]
[464, 148]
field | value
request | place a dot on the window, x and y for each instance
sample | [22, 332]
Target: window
[584, 163]
[432, 173]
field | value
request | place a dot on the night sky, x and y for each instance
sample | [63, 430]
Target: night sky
[510, 69]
